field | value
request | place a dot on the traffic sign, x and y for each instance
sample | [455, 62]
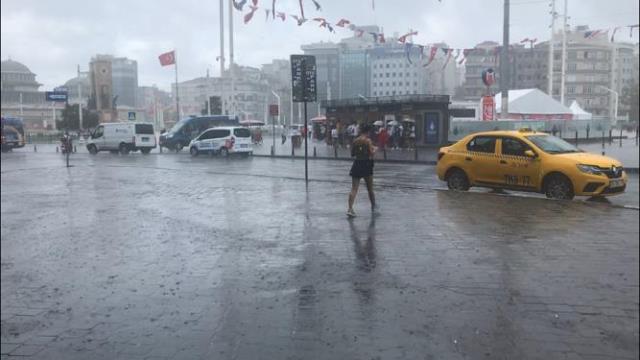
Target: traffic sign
[273, 110]
[303, 78]
[132, 116]
[56, 96]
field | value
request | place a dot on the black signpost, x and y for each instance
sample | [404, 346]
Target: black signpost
[303, 88]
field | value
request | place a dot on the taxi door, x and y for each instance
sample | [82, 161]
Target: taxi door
[481, 160]
[516, 169]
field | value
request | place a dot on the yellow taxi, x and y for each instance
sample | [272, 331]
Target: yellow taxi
[527, 160]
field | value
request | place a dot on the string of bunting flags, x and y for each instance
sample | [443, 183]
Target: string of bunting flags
[459, 56]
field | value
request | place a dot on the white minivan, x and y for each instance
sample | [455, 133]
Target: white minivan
[122, 137]
[224, 140]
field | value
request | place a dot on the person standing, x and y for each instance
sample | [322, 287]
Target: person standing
[362, 168]
[334, 136]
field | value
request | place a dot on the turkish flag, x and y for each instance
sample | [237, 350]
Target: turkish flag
[167, 58]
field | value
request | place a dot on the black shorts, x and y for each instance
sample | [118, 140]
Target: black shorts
[361, 168]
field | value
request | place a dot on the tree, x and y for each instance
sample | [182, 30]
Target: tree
[71, 120]
[629, 98]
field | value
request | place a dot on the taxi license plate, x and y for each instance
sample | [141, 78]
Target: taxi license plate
[145, 139]
[616, 183]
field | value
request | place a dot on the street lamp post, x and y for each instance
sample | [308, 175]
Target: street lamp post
[615, 104]
[273, 124]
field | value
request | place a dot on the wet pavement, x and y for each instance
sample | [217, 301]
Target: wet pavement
[169, 257]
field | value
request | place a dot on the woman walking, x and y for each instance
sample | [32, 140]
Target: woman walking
[362, 150]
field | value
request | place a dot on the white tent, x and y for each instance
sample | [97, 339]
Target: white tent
[531, 102]
[578, 112]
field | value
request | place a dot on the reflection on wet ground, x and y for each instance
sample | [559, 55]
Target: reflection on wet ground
[136, 257]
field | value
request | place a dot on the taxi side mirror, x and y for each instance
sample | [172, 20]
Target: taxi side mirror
[530, 154]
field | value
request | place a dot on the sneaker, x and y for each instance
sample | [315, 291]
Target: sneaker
[351, 213]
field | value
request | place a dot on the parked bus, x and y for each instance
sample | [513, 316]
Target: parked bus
[187, 129]
[12, 133]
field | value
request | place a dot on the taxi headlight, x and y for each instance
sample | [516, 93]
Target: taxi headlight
[589, 169]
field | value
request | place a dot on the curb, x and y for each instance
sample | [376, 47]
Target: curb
[630, 170]
[419, 162]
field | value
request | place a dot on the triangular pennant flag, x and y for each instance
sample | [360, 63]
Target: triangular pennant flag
[404, 37]
[382, 40]
[359, 33]
[299, 19]
[343, 22]
[524, 40]
[281, 15]
[273, 9]
[249, 15]
[613, 34]
[407, 51]
[465, 52]
[266, 11]
[318, 7]
[449, 53]
[432, 55]
[239, 4]
[255, 2]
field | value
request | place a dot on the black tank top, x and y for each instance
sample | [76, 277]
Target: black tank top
[360, 150]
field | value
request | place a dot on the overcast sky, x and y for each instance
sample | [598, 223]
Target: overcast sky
[52, 37]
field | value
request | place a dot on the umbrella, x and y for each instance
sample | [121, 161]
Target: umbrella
[392, 123]
[409, 120]
[377, 123]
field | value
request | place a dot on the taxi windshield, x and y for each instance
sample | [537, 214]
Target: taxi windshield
[552, 145]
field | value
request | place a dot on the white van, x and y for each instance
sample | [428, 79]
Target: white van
[224, 140]
[122, 137]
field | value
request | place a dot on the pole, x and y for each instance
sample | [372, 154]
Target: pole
[222, 105]
[564, 53]
[273, 135]
[80, 105]
[504, 62]
[177, 94]
[614, 74]
[306, 158]
[21, 111]
[231, 67]
[550, 69]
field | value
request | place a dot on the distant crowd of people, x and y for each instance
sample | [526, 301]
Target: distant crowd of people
[394, 135]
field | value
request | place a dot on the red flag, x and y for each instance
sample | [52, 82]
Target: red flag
[343, 22]
[381, 37]
[249, 15]
[432, 54]
[404, 37]
[281, 15]
[168, 58]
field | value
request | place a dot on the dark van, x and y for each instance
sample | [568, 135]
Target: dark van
[187, 129]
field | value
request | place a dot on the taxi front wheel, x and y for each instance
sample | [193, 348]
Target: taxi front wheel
[457, 180]
[559, 187]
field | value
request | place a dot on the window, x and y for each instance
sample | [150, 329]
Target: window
[99, 132]
[219, 133]
[513, 147]
[485, 144]
[206, 135]
[144, 129]
[387, 66]
[242, 132]
[387, 74]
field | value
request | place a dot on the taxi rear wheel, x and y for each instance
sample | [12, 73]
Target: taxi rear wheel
[457, 180]
[559, 187]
